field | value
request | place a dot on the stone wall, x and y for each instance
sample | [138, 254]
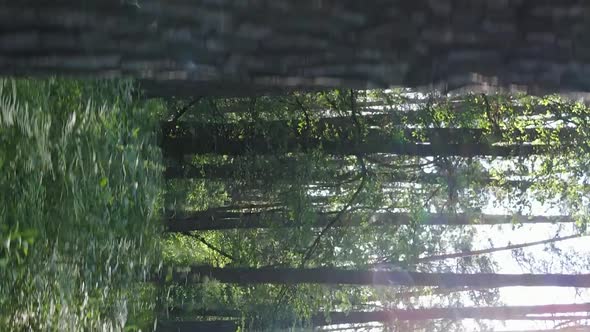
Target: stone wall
[267, 46]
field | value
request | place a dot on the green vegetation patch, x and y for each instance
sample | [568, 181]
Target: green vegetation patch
[79, 190]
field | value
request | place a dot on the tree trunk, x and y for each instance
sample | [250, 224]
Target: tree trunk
[493, 250]
[216, 220]
[283, 169]
[289, 174]
[379, 126]
[570, 328]
[334, 276]
[492, 313]
[206, 47]
[179, 146]
[197, 326]
[406, 110]
[386, 316]
[339, 136]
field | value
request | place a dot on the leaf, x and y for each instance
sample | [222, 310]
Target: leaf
[169, 275]
[29, 232]
[103, 182]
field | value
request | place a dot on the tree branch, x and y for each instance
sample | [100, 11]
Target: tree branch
[212, 247]
[338, 217]
[185, 109]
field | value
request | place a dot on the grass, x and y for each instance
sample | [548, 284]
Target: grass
[80, 181]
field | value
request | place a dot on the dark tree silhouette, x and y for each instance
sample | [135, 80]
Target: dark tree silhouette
[219, 220]
[334, 276]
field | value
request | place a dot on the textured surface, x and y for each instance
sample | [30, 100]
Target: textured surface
[263, 46]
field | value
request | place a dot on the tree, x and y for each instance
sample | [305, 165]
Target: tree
[229, 140]
[421, 314]
[492, 250]
[219, 220]
[378, 277]
[494, 313]
[196, 326]
[296, 194]
[287, 173]
[224, 48]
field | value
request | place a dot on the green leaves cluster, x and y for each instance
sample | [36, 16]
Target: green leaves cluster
[80, 189]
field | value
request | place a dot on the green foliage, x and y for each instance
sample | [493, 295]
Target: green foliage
[302, 184]
[301, 163]
[78, 218]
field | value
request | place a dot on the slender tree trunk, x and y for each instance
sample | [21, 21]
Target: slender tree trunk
[406, 110]
[334, 276]
[493, 250]
[577, 328]
[289, 174]
[215, 220]
[280, 137]
[379, 126]
[384, 316]
[267, 169]
[180, 146]
[178, 312]
[227, 48]
[492, 313]
[197, 326]
[439, 292]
